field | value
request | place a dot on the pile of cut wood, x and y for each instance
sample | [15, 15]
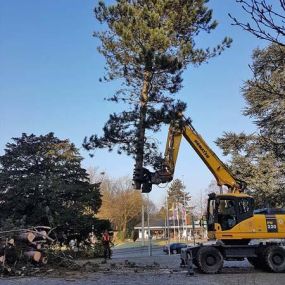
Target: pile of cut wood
[22, 247]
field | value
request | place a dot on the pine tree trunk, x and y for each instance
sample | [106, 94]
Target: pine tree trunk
[141, 127]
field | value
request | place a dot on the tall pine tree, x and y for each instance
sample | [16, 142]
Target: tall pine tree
[147, 45]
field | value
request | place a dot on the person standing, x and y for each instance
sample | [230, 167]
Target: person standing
[106, 240]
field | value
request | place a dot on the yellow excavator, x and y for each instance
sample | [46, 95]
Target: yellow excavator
[235, 230]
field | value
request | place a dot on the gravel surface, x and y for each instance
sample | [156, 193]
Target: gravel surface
[155, 270]
[155, 278]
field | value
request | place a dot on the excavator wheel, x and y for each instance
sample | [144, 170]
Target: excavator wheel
[209, 260]
[274, 256]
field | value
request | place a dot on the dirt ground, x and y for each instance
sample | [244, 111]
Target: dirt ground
[149, 270]
[153, 278]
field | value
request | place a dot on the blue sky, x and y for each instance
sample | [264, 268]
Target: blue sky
[49, 75]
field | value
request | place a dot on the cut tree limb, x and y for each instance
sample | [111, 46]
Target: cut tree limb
[28, 236]
[34, 255]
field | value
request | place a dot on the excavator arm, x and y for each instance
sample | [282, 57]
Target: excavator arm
[183, 128]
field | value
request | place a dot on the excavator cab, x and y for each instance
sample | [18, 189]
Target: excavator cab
[228, 210]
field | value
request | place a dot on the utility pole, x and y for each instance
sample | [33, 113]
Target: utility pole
[148, 229]
[167, 221]
[142, 224]
[182, 207]
[201, 213]
[174, 223]
[193, 229]
[177, 216]
[184, 218]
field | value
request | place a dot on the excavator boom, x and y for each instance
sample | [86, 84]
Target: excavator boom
[221, 172]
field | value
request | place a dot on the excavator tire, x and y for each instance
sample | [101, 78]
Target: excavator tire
[274, 256]
[209, 260]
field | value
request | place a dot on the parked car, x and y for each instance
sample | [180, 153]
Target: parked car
[174, 247]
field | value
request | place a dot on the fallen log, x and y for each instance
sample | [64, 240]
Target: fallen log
[35, 231]
[27, 236]
[23, 245]
[34, 255]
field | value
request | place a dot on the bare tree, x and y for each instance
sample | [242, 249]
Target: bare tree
[92, 174]
[267, 19]
[198, 204]
[121, 204]
[199, 201]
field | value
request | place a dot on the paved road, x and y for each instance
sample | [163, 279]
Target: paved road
[154, 250]
[141, 256]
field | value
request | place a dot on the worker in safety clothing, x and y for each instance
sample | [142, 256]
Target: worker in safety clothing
[106, 240]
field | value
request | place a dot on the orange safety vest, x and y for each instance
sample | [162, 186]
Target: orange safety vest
[106, 237]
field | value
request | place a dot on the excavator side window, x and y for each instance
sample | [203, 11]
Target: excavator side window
[245, 208]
